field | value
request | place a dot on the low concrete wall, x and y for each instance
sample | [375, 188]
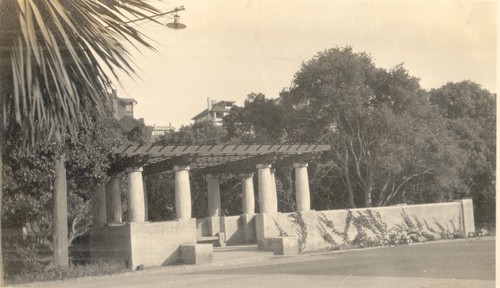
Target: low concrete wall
[238, 229]
[196, 253]
[232, 227]
[282, 245]
[314, 227]
[248, 222]
[203, 227]
[157, 243]
[146, 243]
[208, 226]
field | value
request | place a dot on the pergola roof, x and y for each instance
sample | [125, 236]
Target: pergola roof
[215, 159]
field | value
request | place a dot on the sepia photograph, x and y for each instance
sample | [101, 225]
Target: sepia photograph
[248, 143]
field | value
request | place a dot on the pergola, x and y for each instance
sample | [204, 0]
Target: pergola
[213, 160]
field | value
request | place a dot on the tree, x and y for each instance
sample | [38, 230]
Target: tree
[135, 131]
[470, 113]
[201, 133]
[383, 130]
[52, 76]
[259, 121]
[29, 186]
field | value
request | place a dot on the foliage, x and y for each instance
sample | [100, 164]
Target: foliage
[52, 66]
[201, 133]
[28, 256]
[372, 231]
[28, 187]
[470, 114]
[161, 197]
[53, 76]
[63, 273]
[282, 232]
[135, 131]
[384, 132]
[259, 121]
[301, 230]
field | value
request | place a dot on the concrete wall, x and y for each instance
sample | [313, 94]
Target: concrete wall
[157, 243]
[203, 227]
[232, 226]
[248, 222]
[452, 215]
[147, 243]
[239, 229]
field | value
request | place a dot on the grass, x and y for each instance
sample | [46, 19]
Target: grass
[62, 273]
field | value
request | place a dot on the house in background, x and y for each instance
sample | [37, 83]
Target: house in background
[159, 131]
[122, 106]
[216, 110]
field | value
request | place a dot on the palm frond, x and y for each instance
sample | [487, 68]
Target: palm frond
[53, 55]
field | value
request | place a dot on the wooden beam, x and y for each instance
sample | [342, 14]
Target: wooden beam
[168, 164]
[122, 163]
[246, 165]
[298, 158]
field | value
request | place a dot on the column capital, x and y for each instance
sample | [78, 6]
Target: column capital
[212, 176]
[181, 168]
[133, 169]
[263, 166]
[300, 165]
[245, 175]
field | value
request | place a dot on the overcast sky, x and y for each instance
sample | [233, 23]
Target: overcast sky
[231, 48]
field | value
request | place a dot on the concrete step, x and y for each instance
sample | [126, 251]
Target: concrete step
[240, 254]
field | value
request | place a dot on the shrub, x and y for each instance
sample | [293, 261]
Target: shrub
[51, 273]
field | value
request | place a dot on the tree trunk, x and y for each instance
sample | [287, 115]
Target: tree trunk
[60, 221]
[1, 200]
[368, 187]
[350, 192]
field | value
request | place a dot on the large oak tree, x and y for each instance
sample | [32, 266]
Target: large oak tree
[382, 127]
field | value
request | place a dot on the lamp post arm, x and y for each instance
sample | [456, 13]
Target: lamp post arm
[176, 9]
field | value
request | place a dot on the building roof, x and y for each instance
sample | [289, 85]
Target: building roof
[127, 100]
[216, 107]
[201, 114]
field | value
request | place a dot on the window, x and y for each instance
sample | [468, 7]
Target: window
[219, 114]
[128, 108]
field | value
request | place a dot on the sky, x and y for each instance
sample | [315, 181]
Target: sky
[232, 48]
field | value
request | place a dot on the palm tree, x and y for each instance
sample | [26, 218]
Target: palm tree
[53, 58]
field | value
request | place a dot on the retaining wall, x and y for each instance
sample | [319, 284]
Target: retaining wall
[315, 233]
[146, 243]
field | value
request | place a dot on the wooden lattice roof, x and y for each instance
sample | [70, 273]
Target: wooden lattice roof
[216, 159]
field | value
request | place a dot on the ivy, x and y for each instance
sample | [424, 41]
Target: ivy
[298, 219]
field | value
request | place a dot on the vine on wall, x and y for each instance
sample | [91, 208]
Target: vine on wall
[372, 231]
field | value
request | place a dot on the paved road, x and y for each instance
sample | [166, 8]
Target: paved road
[447, 264]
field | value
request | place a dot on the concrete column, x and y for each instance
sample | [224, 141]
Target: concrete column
[274, 191]
[467, 216]
[136, 211]
[114, 201]
[146, 207]
[247, 193]
[266, 197]
[302, 194]
[214, 207]
[101, 218]
[182, 192]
